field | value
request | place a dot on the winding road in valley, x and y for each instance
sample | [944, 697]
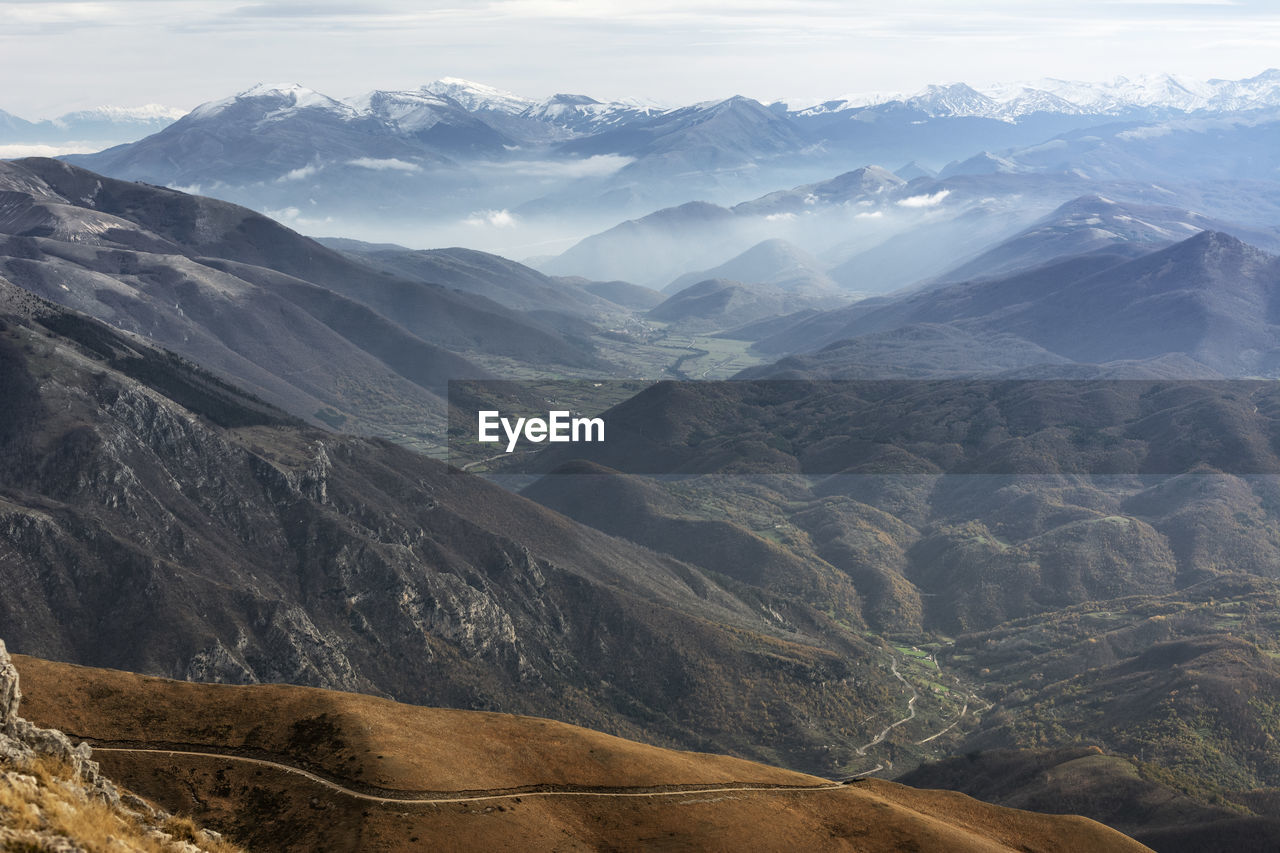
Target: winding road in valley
[969, 697]
[911, 709]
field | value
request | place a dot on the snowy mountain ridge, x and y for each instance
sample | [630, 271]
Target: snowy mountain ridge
[448, 98]
[1010, 101]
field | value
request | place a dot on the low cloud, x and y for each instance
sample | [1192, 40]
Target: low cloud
[294, 218]
[492, 218]
[16, 150]
[878, 214]
[298, 174]
[597, 166]
[925, 200]
[391, 164]
[1148, 132]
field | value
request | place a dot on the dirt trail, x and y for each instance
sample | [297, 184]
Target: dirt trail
[911, 708]
[954, 723]
[409, 798]
[969, 697]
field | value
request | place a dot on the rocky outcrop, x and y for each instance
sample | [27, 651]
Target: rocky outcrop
[10, 694]
[22, 742]
[45, 780]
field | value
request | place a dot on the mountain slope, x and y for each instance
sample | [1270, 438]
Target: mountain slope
[653, 249]
[631, 796]
[848, 188]
[774, 262]
[700, 140]
[1109, 788]
[206, 228]
[508, 283]
[255, 301]
[718, 304]
[169, 524]
[54, 797]
[1090, 224]
[918, 350]
[261, 134]
[1210, 297]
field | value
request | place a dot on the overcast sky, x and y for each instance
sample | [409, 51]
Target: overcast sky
[56, 56]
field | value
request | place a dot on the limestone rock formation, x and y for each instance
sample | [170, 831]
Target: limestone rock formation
[21, 741]
[54, 794]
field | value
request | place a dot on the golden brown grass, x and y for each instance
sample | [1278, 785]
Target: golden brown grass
[44, 798]
[364, 741]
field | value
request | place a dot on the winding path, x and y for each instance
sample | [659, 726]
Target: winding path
[408, 798]
[969, 697]
[954, 723]
[911, 708]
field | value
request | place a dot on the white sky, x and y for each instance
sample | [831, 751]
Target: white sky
[58, 55]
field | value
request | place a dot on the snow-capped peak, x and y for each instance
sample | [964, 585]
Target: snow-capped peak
[1147, 91]
[410, 112]
[1009, 101]
[124, 115]
[287, 96]
[852, 101]
[300, 96]
[955, 99]
[584, 114]
[479, 97]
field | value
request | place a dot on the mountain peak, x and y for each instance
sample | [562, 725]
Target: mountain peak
[984, 163]
[1216, 241]
[478, 97]
[951, 99]
[274, 89]
[735, 102]
[571, 100]
[144, 113]
[911, 171]
[281, 95]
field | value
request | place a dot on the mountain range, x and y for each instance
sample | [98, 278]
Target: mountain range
[579, 113]
[1209, 298]
[1118, 97]
[987, 496]
[476, 165]
[264, 306]
[86, 129]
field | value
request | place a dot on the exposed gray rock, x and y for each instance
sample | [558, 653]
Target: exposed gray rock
[315, 480]
[26, 839]
[22, 741]
[10, 695]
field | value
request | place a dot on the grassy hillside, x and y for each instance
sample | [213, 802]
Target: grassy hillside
[505, 781]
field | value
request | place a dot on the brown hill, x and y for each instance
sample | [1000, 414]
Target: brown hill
[385, 776]
[1126, 794]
